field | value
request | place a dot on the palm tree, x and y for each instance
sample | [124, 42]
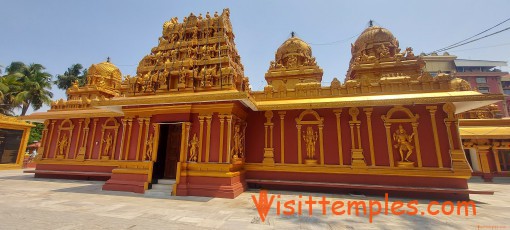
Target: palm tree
[73, 73]
[35, 85]
[9, 86]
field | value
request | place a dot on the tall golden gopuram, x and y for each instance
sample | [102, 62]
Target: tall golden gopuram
[197, 54]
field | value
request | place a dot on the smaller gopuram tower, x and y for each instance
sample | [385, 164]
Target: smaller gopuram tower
[293, 66]
[376, 54]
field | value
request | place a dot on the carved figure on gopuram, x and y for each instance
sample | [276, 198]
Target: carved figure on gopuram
[403, 143]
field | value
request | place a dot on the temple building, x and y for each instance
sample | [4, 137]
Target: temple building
[189, 115]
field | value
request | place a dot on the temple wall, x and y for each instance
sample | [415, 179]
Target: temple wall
[255, 135]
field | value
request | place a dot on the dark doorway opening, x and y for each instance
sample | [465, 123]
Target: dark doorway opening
[169, 147]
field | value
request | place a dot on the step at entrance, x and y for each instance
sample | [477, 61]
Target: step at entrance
[163, 189]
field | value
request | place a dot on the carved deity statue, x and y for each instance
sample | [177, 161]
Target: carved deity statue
[108, 144]
[310, 138]
[62, 144]
[383, 51]
[150, 147]
[193, 144]
[292, 61]
[237, 148]
[409, 52]
[403, 143]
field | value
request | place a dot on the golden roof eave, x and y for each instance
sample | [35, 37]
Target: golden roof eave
[193, 97]
[463, 100]
[13, 121]
[65, 114]
[484, 132]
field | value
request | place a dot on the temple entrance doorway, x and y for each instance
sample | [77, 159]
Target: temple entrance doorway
[169, 147]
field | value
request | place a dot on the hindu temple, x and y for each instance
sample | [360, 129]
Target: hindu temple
[189, 115]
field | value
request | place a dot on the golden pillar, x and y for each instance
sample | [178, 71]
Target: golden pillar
[147, 123]
[229, 137]
[417, 142]
[432, 110]
[200, 138]
[128, 143]
[124, 124]
[93, 138]
[357, 157]
[299, 143]
[495, 151]
[78, 138]
[208, 140]
[483, 151]
[49, 140]
[222, 134]
[140, 131]
[338, 112]
[368, 113]
[282, 136]
[389, 144]
[321, 142]
[268, 139]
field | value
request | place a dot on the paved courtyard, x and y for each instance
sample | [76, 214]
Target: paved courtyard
[30, 203]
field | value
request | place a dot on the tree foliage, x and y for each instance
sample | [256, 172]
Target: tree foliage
[36, 133]
[73, 73]
[29, 86]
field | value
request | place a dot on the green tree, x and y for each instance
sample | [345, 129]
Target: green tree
[36, 133]
[9, 87]
[73, 73]
[35, 85]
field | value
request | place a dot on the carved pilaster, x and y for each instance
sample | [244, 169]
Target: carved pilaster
[268, 148]
[140, 131]
[338, 112]
[432, 111]
[222, 134]
[208, 136]
[368, 113]
[358, 159]
[200, 138]
[93, 138]
[282, 136]
[128, 142]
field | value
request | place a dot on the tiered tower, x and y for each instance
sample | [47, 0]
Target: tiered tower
[376, 54]
[197, 54]
[294, 65]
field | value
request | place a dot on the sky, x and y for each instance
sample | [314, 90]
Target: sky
[58, 34]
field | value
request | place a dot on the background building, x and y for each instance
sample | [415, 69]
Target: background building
[483, 75]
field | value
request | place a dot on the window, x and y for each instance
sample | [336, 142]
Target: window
[483, 89]
[507, 91]
[481, 80]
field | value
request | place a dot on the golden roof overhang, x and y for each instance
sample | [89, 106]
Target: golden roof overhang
[463, 100]
[484, 128]
[66, 114]
[8, 121]
[116, 103]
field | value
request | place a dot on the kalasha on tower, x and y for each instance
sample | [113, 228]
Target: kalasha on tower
[189, 120]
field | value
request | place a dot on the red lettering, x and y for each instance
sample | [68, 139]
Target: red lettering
[263, 205]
